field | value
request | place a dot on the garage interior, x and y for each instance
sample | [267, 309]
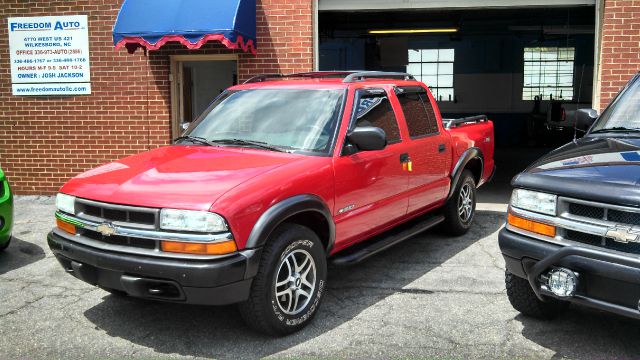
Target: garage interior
[523, 67]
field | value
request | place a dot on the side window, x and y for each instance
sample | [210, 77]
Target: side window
[418, 112]
[375, 110]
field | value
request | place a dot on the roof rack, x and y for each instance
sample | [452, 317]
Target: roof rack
[349, 76]
[312, 74]
[361, 75]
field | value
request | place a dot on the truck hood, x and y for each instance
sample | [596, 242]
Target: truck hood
[592, 168]
[181, 177]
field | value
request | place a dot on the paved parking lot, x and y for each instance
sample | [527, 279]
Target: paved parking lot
[431, 296]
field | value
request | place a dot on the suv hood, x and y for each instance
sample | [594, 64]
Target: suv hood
[181, 177]
[593, 168]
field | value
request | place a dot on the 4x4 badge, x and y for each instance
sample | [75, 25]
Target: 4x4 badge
[106, 229]
[623, 234]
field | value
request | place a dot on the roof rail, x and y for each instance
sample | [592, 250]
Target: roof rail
[359, 76]
[311, 74]
[349, 76]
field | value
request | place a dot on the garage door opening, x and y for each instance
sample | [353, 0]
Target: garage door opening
[528, 69]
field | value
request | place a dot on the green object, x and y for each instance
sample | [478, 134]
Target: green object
[6, 211]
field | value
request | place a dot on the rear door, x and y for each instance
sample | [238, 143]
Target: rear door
[428, 146]
[371, 186]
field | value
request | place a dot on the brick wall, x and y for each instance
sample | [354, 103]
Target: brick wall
[620, 56]
[46, 140]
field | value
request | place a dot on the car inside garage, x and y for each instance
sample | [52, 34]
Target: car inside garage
[526, 66]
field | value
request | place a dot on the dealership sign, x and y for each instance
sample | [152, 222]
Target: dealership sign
[49, 55]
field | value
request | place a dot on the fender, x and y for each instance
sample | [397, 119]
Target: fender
[279, 212]
[468, 155]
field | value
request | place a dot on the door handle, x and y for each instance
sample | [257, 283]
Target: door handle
[404, 158]
[441, 148]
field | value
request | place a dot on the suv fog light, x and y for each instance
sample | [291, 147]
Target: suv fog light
[562, 282]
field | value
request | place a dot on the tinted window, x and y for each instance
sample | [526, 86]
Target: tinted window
[418, 112]
[375, 110]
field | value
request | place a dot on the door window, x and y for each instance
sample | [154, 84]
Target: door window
[418, 112]
[375, 110]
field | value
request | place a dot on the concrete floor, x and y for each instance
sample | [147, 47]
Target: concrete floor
[431, 296]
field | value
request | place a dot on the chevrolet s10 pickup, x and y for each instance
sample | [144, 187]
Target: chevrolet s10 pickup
[277, 177]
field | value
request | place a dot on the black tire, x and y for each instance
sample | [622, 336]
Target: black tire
[454, 223]
[5, 245]
[523, 299]
[263, 311]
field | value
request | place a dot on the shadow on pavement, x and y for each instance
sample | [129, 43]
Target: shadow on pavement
[18, 254]
[584, 333]
[219, 331]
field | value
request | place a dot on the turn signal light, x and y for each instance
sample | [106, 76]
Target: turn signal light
[218, 248]
[65, 226]
[533, 226]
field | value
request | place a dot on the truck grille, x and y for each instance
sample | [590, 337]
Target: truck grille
[605, 215]
[130, 216]
[127, 216]
[121, 240]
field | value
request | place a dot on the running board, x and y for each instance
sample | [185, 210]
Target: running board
[385, 240]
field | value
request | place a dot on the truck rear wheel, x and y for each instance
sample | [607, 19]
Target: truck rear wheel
[460, 209]
[291, 279]
[523, 299]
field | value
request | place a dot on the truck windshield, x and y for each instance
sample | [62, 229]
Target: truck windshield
[624, 112]
[284, 119]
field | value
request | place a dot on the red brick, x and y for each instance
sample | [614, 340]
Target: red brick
[46, 140]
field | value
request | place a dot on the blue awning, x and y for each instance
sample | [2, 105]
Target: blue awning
[152, 23]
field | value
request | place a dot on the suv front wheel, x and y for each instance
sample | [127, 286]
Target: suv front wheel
[291, 279]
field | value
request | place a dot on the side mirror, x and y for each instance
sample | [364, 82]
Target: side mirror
[585, 118]
[368, 138]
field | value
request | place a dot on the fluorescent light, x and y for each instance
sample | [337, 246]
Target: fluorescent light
[414, 31]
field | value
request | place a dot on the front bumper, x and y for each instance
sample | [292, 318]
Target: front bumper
[6, 212]
[608, 281]
[208, 282]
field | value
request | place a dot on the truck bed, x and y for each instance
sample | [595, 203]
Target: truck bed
[473, 131]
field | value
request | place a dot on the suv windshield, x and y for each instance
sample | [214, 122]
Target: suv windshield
[284, 119]
[624, 111]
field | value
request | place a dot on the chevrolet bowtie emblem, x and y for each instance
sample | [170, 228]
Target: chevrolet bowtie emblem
[623, 234]
[106, 229]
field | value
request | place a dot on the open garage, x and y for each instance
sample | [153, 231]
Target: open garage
[525, 65]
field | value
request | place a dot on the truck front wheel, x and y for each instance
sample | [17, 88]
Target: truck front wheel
[461, 207]
[291, 279]
[523, 299]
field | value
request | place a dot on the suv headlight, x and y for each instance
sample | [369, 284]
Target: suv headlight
[66, 203]
[534, 201]
[189, 220]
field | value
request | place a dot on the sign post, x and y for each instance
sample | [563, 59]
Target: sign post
[49, 55]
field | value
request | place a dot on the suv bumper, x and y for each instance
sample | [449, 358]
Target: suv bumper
[206, 282]
[607, 281]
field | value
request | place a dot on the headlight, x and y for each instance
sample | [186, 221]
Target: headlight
[66, 203]
[188, 220]
[534, 201]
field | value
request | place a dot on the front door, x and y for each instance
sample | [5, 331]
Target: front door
[197, 83]
[370, 185]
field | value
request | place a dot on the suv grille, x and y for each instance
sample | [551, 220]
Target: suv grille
[586, 211]
[606, 215]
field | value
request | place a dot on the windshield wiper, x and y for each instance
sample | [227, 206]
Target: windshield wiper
[258, 144]
[616, 129]
[195, 140]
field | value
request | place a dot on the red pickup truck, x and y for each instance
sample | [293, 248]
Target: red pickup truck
[277, 177]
